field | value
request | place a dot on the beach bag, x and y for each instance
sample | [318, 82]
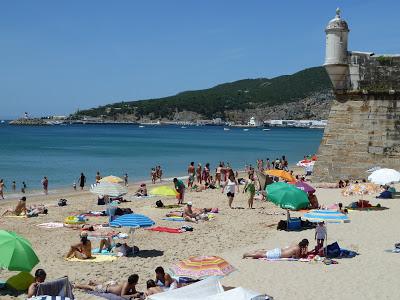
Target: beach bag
[62, 202]
[101, 201]
[333, 250]
[159, 203]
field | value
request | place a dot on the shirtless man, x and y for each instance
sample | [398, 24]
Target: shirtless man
[40, 277]
[125, 290]
[83, 250]
[191, 172]
[19, 209]
[164, 280]
[152, 288]
[188, 214]
[297, 251]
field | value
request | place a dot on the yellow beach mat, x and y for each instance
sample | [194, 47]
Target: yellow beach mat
[94, 259]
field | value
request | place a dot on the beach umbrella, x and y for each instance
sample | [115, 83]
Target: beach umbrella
[384, 176]
[112, 179]
[200, 267]
[132, 221]
[281, 174]
[303, 186]
[325, 215]
[109, 189]
[16, 253]
[287, 196]
[163, 191]
[360, 189]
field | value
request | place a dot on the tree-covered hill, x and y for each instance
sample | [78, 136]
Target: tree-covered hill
[217, 101]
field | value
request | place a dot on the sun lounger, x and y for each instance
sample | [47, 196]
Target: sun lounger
[60, 287]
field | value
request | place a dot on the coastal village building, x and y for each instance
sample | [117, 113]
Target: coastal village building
[363, 128]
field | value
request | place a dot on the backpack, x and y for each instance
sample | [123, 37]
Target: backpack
[62, 202]
[159, 203]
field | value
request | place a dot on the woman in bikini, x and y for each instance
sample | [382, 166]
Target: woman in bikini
[83, 250]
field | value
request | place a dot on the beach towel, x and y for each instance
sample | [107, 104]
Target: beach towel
[50, 225]
[95, 259]
[108, 296]
[95, 214]
[166, 229]
[59, 287]
[95, 251]
[175, 219]
[286, 259]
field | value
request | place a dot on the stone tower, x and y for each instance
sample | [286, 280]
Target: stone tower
[363, 128]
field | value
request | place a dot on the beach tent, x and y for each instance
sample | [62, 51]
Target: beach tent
[207, 289]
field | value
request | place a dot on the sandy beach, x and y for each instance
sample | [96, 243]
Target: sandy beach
[371, 275]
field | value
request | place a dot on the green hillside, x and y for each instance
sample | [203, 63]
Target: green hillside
[214, 102]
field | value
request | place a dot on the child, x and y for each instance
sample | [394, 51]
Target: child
[74, 186]
[320, 235]
[251, 189]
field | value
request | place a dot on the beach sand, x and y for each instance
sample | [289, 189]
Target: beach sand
[371, 275]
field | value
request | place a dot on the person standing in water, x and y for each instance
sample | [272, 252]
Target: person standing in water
[23, 189]
[126, 179]
[98, 177]
[14, 186]
[82, 181]
[45, 183]
[2, 186]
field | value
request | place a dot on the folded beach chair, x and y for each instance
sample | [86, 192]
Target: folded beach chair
[60, 287]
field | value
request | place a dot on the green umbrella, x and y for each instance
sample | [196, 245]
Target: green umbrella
[287, 196]
[16, 252]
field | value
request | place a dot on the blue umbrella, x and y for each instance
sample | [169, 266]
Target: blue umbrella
[133, 221]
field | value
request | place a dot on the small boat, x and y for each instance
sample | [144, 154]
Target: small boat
[141, 126]
[266, 129]
[183, 127]
[246, 129]
[226, 129]
[2, 121]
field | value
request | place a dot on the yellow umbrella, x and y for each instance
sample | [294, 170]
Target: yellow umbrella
[163, 191]
[112, 179]
[282, 174]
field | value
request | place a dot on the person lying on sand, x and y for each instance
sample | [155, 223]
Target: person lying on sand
[19, 210]
[152, 288]
[125, 290]
[40, 277]
[164, 280]
[83, 250]
[297, 251]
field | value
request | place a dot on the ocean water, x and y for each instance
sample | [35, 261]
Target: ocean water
[62, 152]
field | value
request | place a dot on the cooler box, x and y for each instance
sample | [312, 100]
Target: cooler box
[294, 224]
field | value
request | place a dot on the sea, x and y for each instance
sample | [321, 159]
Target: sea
[28, 153]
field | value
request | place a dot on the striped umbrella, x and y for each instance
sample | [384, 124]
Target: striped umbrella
[109, 189]
[200, 267]
[112, 179]
[329, 216]
[132, 220]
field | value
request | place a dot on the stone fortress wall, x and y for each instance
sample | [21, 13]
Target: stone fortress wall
[364, 122]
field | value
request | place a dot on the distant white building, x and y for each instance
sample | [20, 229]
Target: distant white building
[253, 122]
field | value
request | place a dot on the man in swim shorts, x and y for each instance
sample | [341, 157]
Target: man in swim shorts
[297, 251]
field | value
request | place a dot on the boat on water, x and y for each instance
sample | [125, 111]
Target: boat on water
[246, 129]
[266, 129]
[226, 129]
[141, 126]
[183, 127]
[152, 123]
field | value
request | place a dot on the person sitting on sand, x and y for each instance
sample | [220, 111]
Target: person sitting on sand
[152, 288]
[83, 250]
[40, 277]
[142, 191]
[164, 280]
[313, 200]
[19, 210]
[125, 290]
[188, 214]
[297, 251]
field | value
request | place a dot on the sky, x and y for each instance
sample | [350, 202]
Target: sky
[60, 56]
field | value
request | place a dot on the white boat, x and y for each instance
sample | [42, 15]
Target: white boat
[183, 127]
[266, 129]
[226, 129]
[141, 126]
[246, 129]
[2, 121]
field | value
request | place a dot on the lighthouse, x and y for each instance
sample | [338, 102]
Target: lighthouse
[336, 54]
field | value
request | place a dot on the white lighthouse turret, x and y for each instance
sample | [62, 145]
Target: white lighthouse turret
[336, 55]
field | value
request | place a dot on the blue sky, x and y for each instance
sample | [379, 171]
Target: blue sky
[58, 56]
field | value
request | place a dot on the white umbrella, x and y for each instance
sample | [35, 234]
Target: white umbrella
[109, 189]
[384, 176]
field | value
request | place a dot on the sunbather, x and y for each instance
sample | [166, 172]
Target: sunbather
[83, 250]
[19, 210]
[188, 214]
[125, 290]
[142, 191]
[152, 288]
[164, 280]
[297, 251]
[40, 277]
